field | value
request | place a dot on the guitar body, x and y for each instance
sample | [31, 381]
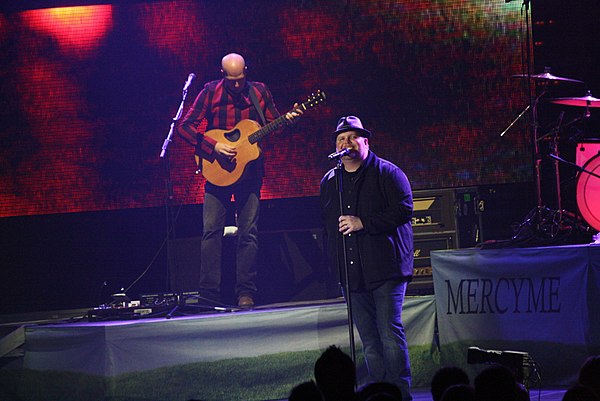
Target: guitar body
[244, 137]
[223, 172]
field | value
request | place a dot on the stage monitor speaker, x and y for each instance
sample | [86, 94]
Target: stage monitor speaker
[292, 266]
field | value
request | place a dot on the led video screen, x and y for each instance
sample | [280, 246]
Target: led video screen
[89, 94]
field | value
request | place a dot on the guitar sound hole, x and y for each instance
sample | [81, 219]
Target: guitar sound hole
[233, 136]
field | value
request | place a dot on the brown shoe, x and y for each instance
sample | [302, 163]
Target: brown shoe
[245, 301]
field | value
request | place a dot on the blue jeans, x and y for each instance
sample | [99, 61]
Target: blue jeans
[378, 317]
[216, 202]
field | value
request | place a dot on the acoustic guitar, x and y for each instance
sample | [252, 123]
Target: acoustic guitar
[244, 137]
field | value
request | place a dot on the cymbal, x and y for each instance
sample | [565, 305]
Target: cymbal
[584, 101]
[546, 76]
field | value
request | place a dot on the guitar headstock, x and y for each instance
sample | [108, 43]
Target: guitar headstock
[314, 99]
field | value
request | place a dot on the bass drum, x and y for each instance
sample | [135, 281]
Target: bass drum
[588, 192]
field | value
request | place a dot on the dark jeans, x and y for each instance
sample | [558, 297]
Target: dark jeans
[378, 318]
[216, 202]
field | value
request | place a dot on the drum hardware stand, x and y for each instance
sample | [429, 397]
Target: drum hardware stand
[555, 134]
[536, 150]
[547, 221]
[537, 218]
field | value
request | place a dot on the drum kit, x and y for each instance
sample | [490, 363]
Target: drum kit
[588, 175]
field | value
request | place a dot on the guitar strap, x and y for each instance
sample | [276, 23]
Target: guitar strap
[257, 106]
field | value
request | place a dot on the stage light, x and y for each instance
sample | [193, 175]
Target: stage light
[79, 31]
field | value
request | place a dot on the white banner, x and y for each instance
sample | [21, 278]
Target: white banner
[525, 294]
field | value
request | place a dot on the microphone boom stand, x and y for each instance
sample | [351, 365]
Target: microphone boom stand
[168, 181]
[347, 296]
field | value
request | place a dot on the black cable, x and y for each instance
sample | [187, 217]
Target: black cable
[167, 236]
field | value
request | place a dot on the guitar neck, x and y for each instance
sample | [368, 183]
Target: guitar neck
[280, 121]
[267, 129]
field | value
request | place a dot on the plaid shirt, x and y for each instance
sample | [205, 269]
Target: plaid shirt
[223, 111]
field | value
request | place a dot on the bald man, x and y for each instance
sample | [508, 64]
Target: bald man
[224, 103]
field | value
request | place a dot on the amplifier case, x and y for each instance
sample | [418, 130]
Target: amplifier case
[422, 283]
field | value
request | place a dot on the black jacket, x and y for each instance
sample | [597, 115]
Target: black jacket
[384, 205]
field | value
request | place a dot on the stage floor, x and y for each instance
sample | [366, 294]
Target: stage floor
[140, 358]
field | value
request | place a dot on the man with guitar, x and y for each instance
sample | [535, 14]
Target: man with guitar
[233, 108]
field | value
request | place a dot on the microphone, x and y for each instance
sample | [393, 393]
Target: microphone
[189, 81]
[338, 154]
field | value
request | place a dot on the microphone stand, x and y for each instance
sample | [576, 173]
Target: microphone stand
[347, 296]
[168, 182]
[165, 145]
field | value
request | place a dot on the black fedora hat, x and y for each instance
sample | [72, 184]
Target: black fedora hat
[351, 123]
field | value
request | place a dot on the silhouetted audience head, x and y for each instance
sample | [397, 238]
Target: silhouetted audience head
[335, 374]
[579, 392]
[445, 377]
[459, 392]
[306, 391]
[379, 391]
[589, 374]
[496, 383]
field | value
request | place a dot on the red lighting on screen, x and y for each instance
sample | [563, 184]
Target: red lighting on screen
[3, 28]
[175, 30]
[77, 30]
[305, 37]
